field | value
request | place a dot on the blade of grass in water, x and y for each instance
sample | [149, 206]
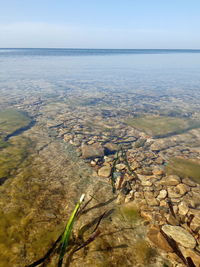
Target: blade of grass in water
[67, 232]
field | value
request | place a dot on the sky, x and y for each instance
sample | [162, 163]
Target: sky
[100, 24]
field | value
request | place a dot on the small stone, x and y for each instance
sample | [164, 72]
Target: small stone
[67, 137]
[135, 165]
[183, 208]
[183, 188]
[146, 171]
[139, 195]
[162, 194]
[163, 203]
[194, 225]
[189, 182]
[147, 215]
[158, 171]
[107, 159]
[180, 235]
[176, 200]
[120, 166]
[191, 253]
[172, 180]
[159, 160]
[148, 195]
[90, 142]
[104, 171]
[171, 219]
[175, 192]
[93, 163]
[151, 200]
[146, 183]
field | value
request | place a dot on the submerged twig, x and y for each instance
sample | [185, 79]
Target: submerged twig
[89, 240]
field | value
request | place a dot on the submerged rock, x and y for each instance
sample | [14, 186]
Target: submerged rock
[92, 151]
[120, 166]
[110, 148]
[172, 180]
[180, 235]
[104, 171]
[158, 239]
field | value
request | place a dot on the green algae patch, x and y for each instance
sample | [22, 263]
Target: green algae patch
[163, 126]
[13, 155]
[128, 212]
[12, 120]
[13, 150]
[184, 168]
[143, 252]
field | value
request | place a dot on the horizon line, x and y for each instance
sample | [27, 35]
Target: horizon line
[81, 48]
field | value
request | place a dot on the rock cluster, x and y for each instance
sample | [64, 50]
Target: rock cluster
[169, 204]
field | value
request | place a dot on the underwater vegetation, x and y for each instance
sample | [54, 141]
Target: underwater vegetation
[13, 150]
[184, 168]
[162, 126]
[68, 230]
[12, 156]
[11, 120]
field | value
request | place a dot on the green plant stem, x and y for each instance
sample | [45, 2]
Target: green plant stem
[67, 232]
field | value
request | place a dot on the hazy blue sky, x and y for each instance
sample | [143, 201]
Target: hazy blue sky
[100, 23]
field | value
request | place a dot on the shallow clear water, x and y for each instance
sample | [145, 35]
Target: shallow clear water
[152, 70]
[76, 97]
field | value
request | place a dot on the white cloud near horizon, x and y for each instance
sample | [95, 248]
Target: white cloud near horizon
[42, 35]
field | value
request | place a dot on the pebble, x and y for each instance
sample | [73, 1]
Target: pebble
[162, 194]
[183, 208]
[104, 171]
[172, 180]
[120, 166]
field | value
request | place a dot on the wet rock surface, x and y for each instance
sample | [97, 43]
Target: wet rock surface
[180, 235]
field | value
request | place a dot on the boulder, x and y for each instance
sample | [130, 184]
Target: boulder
[180, 235]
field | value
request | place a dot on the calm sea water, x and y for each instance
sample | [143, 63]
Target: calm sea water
[150, 70]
